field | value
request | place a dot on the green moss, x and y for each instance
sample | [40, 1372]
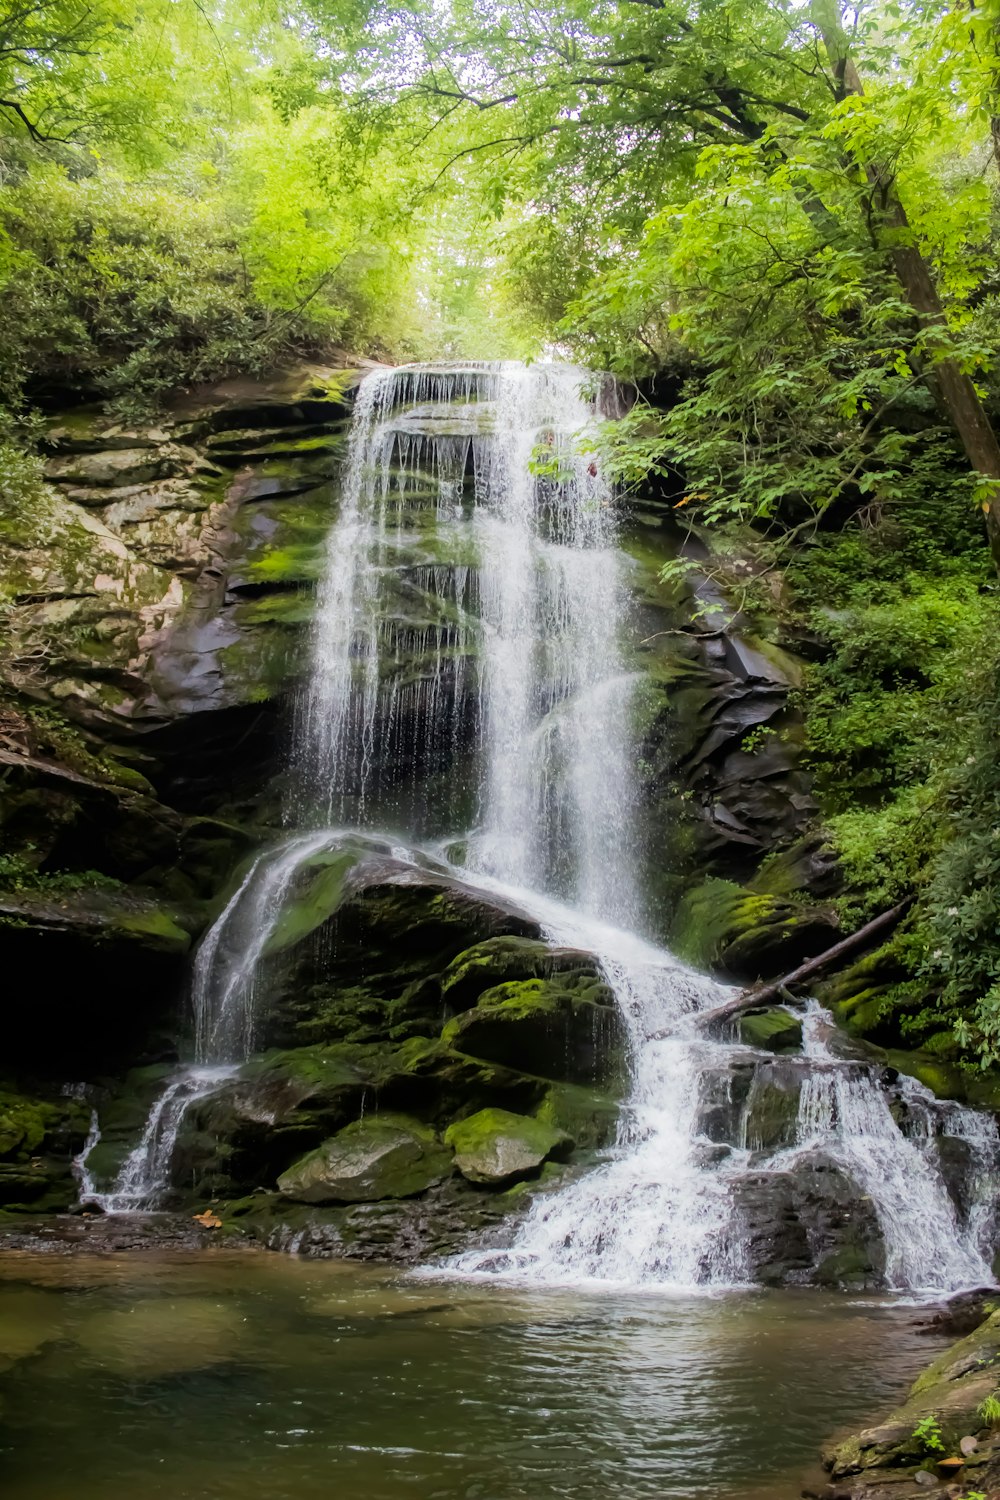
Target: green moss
[307, 909]
[495, 1146]
[749, 932]
[33, 1127]
[773, 1029]
[298, 562]
[589, 1115]
[158, 929]
[386, 1156]
[560, 1028]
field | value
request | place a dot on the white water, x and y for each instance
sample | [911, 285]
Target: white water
[540, 598]
[844, 1113]
[226, 973]
[477, 539]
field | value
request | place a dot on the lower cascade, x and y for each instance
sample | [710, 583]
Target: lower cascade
[504, 768]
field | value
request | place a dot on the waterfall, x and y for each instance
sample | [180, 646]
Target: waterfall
[471, 689]
[224, 998]
[533, 620]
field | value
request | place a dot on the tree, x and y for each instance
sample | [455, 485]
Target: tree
[42, 44]
[958, 391]
[610, 123]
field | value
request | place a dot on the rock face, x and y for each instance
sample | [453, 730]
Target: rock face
[495, 1146]
[386, 1157]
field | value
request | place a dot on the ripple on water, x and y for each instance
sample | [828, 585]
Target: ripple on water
[261, 1378]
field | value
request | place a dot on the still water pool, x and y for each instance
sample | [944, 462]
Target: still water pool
[257, 1377]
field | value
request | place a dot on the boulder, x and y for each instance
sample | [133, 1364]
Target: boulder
[772, 1028]
[387, 1156]
[750, 934]
[495, 1146]
[561, 1028]
[500, 959]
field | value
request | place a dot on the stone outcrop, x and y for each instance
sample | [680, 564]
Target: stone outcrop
[945, 1430]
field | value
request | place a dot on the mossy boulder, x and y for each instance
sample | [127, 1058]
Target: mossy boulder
[387, 1156]
[561, 1028]
[750, 934]
[495, 1147]
[502, 959]
[589, 1115]
[772, 1028]
[360, 954]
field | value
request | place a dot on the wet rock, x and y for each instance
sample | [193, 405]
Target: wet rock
[495, 1146]
[773, 1029]
[771, 1111]
[508, 958]
[384, 1157]
[163, 1337]
[558, 1028]
[808, 1225]
[751, 935]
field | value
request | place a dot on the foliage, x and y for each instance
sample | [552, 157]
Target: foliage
[927, 1433]
[989, 1411]
[963, 890]
[180, 197]
[19, 875]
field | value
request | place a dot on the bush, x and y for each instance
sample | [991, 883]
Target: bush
[119, 290]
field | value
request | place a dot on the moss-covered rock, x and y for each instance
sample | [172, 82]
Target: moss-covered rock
[388, 1156]
[772, 1028]
[561, 1028]
[494, 1146]
[589, 1115]
[751, 934]
[365, 946]
[502, 959]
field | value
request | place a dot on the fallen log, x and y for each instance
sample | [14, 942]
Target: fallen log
[750, 999]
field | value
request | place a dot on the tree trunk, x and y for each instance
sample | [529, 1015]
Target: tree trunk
[957, 390]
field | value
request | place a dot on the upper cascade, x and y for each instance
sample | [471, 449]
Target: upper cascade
[505, 524]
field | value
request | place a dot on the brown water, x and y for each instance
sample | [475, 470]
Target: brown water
[255, 1377]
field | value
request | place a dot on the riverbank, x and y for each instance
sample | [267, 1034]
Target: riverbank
[943, 1438]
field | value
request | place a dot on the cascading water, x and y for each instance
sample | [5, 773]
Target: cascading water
[471, 667]
[541, 594]
[224, 992]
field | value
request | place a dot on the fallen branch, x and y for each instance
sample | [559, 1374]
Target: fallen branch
[750, 999]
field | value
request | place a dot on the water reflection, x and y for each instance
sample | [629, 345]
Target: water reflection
[262, 1378]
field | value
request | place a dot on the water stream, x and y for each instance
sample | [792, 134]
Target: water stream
[476, 531]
